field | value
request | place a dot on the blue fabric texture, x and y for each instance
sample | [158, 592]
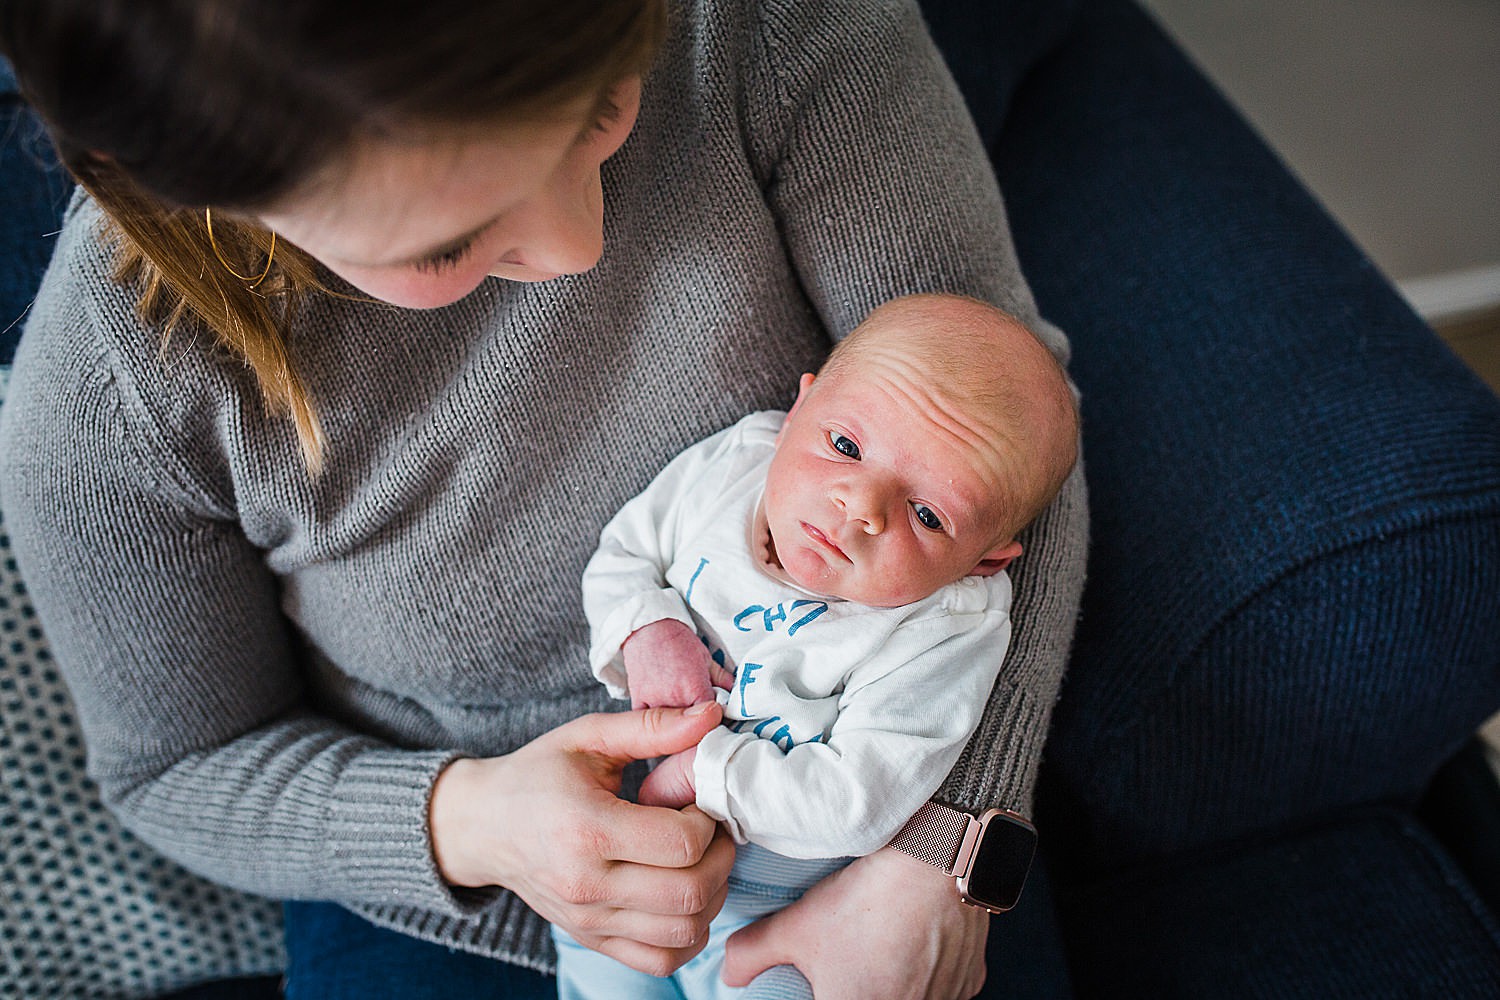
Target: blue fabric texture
[33, 193]
[1325, 914]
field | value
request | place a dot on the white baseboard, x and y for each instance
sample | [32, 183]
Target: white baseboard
[1443, 297]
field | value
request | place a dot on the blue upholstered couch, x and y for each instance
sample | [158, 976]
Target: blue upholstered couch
[1261, 781]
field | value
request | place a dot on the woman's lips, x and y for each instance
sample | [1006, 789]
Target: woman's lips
[817, 535]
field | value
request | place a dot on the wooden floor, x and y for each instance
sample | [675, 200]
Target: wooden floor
[1477, 341]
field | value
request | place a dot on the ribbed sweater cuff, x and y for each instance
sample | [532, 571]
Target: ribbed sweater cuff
[378, 835]
[999, 765]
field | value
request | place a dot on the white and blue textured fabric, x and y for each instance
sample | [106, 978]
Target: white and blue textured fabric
[86, 909]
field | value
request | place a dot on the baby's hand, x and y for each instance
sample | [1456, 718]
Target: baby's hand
[667, 665]
[670, 783]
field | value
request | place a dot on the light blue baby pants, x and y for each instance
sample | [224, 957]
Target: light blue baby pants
[761, 882]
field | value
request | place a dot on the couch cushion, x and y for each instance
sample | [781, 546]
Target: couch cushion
[34, 190]
[1366, 907]
[86, 909]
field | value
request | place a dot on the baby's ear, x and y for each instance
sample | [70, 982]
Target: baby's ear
[997, 559]
[803, 385]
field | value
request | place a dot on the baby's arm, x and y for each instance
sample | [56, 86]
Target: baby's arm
[902, 724]
[642, 641]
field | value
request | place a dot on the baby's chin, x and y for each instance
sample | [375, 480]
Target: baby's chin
[840, 587]
[857, 592]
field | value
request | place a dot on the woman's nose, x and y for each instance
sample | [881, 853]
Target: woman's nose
[561, 230]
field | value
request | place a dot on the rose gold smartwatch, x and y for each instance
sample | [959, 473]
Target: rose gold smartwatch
[989, 857]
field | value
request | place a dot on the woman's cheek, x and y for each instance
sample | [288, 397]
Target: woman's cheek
[415, 288]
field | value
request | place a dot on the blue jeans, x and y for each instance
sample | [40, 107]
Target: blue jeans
[333, 954]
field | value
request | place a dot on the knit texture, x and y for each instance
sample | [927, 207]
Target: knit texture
[86, 909]
[1371, 896]
[272, 669]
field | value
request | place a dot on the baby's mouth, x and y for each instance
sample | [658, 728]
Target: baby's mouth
[817, 535]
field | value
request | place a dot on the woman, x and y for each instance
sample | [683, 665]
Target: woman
[309, 557]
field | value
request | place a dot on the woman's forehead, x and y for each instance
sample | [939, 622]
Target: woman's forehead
[389, 201]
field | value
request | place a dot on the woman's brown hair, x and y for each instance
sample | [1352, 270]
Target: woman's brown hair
[162, 109]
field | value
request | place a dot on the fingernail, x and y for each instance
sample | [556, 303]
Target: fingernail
[700, 708]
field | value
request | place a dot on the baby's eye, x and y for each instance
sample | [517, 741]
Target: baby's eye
[843, 445]
[928, 518]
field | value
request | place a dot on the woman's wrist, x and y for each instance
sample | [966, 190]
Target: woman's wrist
[450, 823]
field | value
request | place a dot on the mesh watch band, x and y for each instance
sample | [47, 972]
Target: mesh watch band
[934, 834]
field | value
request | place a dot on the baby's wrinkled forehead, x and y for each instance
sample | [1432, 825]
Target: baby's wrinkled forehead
[985, 368]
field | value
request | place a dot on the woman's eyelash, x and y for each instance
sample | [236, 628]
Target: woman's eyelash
[448, 258]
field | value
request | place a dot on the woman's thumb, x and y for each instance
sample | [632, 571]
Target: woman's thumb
[646, 733]
[752, 950]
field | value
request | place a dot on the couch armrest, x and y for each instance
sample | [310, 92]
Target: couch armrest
[1293, 604]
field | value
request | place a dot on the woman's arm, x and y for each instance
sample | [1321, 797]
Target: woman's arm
[881, 187]
[167, 624]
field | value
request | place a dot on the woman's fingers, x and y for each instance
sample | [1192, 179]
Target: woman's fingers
[650, 835]
[651, 942]
[670, 889]
[621, 737]
[657, 930]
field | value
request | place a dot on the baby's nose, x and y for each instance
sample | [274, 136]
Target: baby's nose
[863, 508]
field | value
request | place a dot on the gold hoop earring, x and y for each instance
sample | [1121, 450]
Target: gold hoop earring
[208, 221]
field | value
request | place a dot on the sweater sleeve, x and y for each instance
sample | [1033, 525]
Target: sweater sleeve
[166, 624]
[881, 188]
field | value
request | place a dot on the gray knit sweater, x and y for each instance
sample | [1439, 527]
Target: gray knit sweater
[271, 669]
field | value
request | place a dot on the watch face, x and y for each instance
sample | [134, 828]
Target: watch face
[1001, 861]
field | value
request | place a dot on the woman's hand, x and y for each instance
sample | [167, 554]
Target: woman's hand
[639, 884]
[888, 927]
